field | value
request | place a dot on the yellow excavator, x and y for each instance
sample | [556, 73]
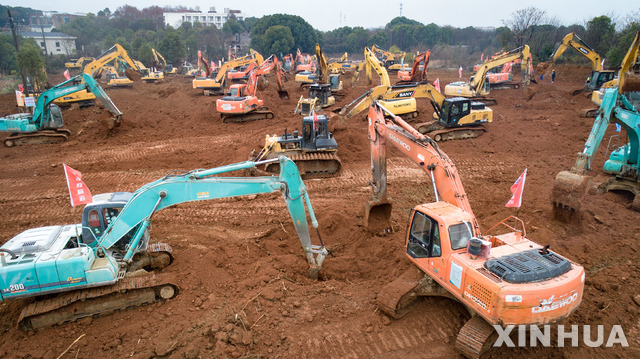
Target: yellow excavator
[478, 87]
[323, 92]
[77, 64]
[94, 68]
[599, 77]
[148, 75]
[454, 118]
[389, 60]
[214, 84]
[161, 63]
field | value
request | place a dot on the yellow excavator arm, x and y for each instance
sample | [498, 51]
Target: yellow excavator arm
[114, 52]
[572, 40]
[522, 53]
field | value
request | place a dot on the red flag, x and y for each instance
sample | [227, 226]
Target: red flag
[66, 74]
[20, 88]
[78, 191]
[517, 188]
[315, 119]
[436, 84]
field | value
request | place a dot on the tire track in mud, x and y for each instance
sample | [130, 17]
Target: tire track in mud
[429, 332]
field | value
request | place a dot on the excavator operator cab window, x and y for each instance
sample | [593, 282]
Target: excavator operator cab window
[307, 133]
[460, 234]
[424, 237]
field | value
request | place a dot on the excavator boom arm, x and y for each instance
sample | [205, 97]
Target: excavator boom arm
[202, 185]
[420, 149]
[114, 52]
[572, 40]
[40, 112]
[522, 53]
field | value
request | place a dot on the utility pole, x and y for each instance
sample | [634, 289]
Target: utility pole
[15, 41]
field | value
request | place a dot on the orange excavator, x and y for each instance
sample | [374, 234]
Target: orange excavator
[242, 104]
[504, 279]
[415, 74]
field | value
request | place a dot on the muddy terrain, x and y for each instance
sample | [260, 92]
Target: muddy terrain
[240, 268]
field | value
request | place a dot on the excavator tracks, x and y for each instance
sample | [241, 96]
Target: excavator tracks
[136, 288]
[397, 297]
[126, 293]
[40, 137]
[439, 133]
[312, 164]
[474, 337]
[246, 117]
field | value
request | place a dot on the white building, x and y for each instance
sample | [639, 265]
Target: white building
[54, 43]
[209, 18]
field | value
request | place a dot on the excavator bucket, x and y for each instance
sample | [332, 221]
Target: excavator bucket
[132, 74]
[631, 83]
[377, 216]
[262, 83]
[283, 94]
[568, 191]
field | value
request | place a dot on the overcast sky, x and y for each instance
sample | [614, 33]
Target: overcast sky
[328, 15]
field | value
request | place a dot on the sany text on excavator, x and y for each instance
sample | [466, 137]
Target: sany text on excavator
[478, 87]
[104, 263]
[45, 124]
[502, 279]
[242, 104]
[619, 104]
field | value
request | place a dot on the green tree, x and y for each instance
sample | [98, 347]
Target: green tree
[357, 40]
[30, 59]
[232, 27]
[401, 20]
[402, 36]
[172, 47]
[304, 36]
[144, 54]
[600, 34]
[279, 38]
[380, 38]
[616, 53]
[8, 60]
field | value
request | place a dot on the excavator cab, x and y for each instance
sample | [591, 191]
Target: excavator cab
[98, 214]
[237, 90]
[55, 118]
[321, 92]
[423, 237]
[598, 78]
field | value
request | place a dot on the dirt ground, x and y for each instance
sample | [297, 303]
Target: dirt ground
[243, 288]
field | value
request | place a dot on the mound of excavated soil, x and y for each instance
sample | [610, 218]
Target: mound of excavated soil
[240, 268]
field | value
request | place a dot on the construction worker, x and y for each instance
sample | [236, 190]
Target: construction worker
[553, 75]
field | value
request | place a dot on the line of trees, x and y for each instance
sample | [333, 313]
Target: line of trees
[140, 30]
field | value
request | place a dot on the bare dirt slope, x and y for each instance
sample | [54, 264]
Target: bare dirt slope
[244, 292]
